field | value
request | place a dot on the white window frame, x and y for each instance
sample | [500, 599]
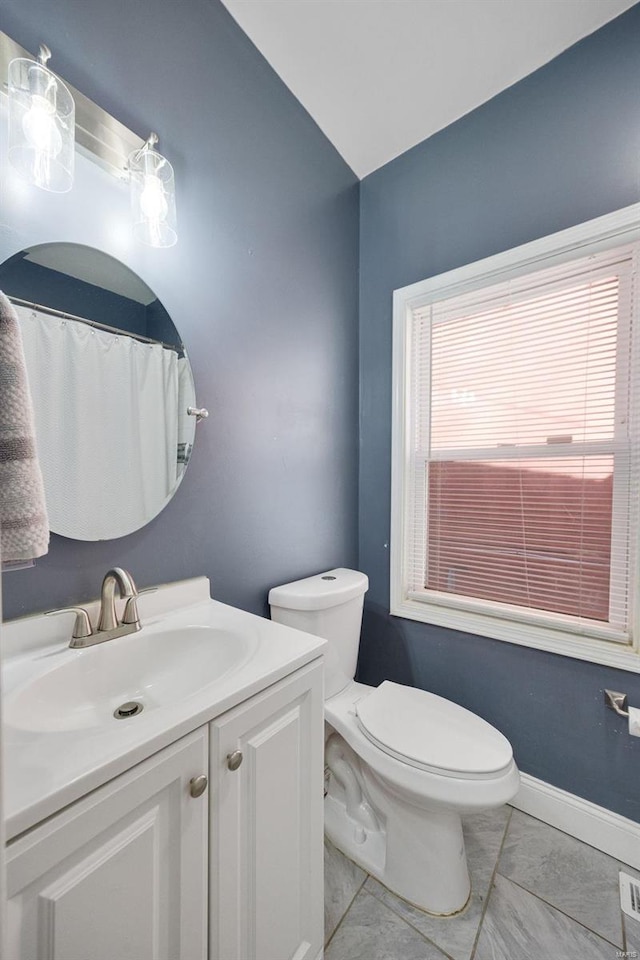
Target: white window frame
[488, 619]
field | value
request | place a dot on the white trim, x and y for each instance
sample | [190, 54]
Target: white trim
[595, 236]
[400, 438]
[621, 226]
[606, 652]
[545, 451]
[486, 611]
[616, 836]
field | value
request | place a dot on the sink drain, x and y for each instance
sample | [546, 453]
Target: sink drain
[129, 709]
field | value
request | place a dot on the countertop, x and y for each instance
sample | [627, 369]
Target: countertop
[45, 771]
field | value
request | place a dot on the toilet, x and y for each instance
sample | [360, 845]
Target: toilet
[403, 764]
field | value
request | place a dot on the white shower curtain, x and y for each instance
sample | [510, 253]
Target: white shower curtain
[106, 410]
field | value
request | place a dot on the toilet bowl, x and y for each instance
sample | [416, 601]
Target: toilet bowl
[403, 822]
[403, 764]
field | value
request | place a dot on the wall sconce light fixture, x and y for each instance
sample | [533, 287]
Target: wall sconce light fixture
[153, 197]
[48, 120]
[41, 124]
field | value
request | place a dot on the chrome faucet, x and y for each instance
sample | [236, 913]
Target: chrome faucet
[108, 624]
[108, 620]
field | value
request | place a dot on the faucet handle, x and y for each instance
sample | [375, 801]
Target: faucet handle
[82, 625]
[147, 590]
[131, 614]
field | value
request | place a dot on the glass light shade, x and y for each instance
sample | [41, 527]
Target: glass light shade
[42, 126]
[153, 199]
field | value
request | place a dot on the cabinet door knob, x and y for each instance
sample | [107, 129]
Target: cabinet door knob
[198, 785]
[234, 759]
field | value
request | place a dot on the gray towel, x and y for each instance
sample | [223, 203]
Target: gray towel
[24, 525]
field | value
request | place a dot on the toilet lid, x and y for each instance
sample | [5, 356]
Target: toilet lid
[428, 731]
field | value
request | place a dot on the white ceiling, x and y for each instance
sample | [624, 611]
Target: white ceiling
[379, 76]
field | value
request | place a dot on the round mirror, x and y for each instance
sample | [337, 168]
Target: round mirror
[111, 387]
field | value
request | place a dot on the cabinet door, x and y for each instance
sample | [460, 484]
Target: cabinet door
[267, 824]
[120, 874]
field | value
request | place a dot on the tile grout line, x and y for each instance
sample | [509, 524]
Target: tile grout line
[625, 945]
[490, 887]
[408, 923]
[553, 906]
[625, 942]
[620, 865]
[340, 921]
[584, 843]
[496, 872]
[423, 935]
[431, 943]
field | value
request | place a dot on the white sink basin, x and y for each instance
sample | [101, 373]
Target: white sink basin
[194, 659]
[154, 667]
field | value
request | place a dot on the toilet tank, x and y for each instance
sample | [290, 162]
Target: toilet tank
[328, 605]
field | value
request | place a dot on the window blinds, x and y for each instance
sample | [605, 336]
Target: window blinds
[523, 473]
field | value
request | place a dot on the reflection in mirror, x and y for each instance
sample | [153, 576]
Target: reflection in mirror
[111, 385]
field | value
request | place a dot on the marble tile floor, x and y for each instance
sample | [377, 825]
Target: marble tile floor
[537, 894]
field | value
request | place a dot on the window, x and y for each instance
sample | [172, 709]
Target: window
[515, 467]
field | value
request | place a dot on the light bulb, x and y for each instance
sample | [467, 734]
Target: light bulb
[152, 195]
[40, 128]
[41, 124]
[153, 202]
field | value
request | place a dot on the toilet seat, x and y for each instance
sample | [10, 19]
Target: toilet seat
[432, 733]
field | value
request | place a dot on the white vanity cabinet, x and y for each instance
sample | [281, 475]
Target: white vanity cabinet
[140, 869]
[267, 824]
[121, 873]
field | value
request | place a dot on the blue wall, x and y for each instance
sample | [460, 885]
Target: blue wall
[262, 286]
[31, 281]
[556, 149]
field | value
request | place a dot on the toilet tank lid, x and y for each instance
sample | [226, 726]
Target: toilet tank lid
[320, 592]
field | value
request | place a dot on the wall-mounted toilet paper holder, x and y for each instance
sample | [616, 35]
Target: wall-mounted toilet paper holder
[617, 702]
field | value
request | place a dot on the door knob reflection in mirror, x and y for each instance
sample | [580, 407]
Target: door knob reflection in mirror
[200, 413]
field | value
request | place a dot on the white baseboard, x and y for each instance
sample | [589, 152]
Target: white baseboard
[600, 828]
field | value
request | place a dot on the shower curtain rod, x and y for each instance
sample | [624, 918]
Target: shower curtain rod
[92, 323]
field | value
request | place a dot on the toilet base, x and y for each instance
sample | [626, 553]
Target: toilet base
[364, 846]
[416, 853]
[368, 852]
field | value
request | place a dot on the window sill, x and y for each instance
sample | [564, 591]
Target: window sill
[553, 640]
